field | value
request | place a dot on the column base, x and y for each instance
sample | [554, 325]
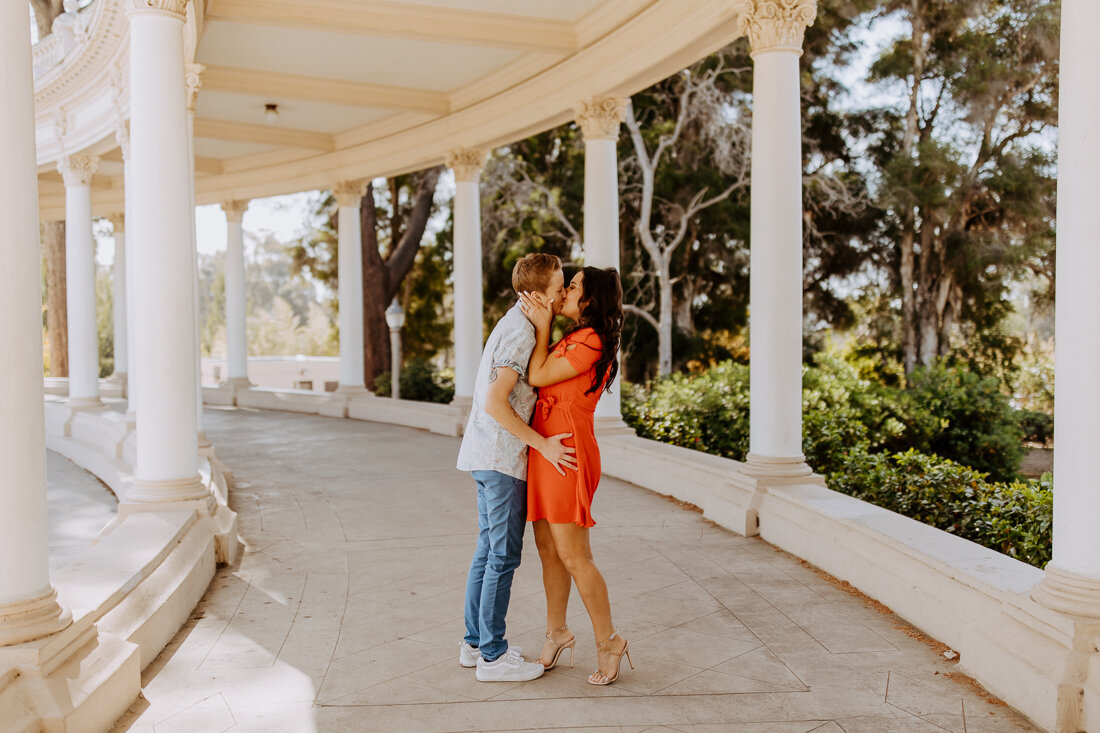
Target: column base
[1068, 592]
[612, 425]
[32, 618]
[117, 385]
[337, 403]
[777, 469]
[84, 403]
[206, 448]
[155, 494]
[239, 383]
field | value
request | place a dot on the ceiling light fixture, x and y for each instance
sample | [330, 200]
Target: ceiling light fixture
[271, 113]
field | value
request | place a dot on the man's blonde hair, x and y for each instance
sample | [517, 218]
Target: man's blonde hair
[532, 273]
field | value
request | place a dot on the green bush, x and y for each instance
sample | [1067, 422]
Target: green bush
[1012, 518]
[420, 381]
[963, 416]
[876, 442]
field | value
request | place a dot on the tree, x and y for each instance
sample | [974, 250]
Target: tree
[398, 211]
[402, 231]
[967, 176]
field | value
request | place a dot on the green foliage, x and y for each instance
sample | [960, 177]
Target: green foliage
[960, 415]
[1012, 518]
[105, 323]
[420, 381]
[1038, 427]
[860, 434]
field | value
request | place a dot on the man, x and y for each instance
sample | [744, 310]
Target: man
[494, 450]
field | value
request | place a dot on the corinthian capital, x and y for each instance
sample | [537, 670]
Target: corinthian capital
[349, 193]
[173, 7]
[234, 210]
[193, 77]
[466, 163]
[122, 137]
[776, 24]
[77, 170]
[600, 117]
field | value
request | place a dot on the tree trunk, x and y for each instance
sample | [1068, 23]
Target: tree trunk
[664, 341]
[908, 236]
[57, 318]
[376, 342]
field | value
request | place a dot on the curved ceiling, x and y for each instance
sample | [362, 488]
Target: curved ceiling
[367, 88]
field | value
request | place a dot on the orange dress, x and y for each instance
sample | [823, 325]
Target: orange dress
[565, 408]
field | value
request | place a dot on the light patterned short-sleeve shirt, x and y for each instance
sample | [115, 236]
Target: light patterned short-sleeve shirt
[486, 445]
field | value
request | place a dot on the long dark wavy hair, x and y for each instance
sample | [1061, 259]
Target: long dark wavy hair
[601, 307]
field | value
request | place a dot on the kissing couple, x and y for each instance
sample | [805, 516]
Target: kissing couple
[530, 446]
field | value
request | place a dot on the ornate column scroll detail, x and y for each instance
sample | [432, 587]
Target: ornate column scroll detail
[776, 24]
[234, 210]
[349, 193]
[193, 77]
[77, 170]
[122, 137]
[600, 117]
[175, 7]
[466, 163]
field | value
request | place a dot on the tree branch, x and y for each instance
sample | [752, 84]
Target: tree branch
[644, 315]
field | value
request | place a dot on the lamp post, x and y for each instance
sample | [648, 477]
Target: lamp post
[395, 318]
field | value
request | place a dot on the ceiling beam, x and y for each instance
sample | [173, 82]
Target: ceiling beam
[264, 134]
[208, 165]
[403, 21]
[330, 91]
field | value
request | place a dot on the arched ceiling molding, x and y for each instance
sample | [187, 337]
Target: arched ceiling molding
[666, 37]
[75, 105]
[628, 45]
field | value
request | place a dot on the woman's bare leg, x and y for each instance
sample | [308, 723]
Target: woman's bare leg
[556, 582]
[575, 552]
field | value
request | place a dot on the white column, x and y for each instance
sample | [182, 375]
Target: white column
[1072, 580]
[193, 82]
[775, 30]
[349, 195]
[28, 604]
[468, 331]
[122, 136]
[77, 171]
[160, 222]
[118, 300]
[599, 119]
[236, 331]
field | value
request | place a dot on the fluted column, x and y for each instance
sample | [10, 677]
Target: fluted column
[599, 119]
[775, 29]
[236, 331]
[349, 195]
[160, 221]
[118, 299]
[28, 604]
[77, 171]
[468, 336]
[1072, 580]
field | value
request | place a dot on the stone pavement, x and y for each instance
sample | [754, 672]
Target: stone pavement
[80, 505]
[345, 613]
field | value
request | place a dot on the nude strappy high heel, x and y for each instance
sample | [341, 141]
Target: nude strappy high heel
[598, 677]
[559, 648]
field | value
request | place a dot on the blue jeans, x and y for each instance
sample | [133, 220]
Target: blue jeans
[501, 516]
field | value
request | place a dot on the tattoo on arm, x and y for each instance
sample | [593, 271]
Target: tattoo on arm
[493, 375]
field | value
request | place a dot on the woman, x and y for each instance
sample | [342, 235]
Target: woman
[571, 376]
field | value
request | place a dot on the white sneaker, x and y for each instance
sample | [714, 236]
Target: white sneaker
[510, 667]
[468, 655]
